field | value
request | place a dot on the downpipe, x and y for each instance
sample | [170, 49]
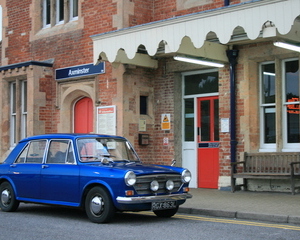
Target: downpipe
[232, 57]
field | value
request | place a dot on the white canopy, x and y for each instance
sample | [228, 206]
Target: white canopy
[252, 16]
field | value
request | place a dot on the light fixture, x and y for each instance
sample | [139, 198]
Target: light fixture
[269, 74]
[287, 46]
[198, 61]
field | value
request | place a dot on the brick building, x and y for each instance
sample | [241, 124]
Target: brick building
[119, 67]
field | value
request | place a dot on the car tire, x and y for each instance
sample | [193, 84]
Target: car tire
[99, 206]
[8, 202]
[166, 213]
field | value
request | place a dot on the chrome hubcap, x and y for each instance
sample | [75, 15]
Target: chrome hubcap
[5, 197]
[97, 205]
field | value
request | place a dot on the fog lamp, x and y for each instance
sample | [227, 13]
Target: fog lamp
[169, 185]
[154, 185]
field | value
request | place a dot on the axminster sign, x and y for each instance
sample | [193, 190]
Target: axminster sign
[79, 71]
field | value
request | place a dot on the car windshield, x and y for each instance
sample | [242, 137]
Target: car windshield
[105, 150]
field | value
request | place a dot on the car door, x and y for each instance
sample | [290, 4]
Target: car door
[60, 174]
[25, 172]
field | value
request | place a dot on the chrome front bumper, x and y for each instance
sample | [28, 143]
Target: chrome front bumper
[158, 198]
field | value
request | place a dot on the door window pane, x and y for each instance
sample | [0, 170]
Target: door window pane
[36, 151]
[189, 119]
[216, 120]
[205, 120]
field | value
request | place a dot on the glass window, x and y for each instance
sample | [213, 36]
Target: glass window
[206, 82]
[33, 152]
[189, 120]
[105, 150]
[268, 107]
[46, 13]
[291, 103]
[216, 120]
[270, 103]
[59, 152]
[18, 111]
[73, 9]
[13, 114]
[59, 11]
[205, 120]
[143, 105]
[24, 109]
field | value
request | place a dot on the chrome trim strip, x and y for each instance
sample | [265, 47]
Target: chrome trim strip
[158, 198]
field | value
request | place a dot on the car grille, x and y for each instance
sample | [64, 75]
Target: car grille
[142, 185]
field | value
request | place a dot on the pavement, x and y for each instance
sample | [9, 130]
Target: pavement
[247, 205]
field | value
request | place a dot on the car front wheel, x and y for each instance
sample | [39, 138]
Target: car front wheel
[99, 206]
[8, 202]
[166, 213]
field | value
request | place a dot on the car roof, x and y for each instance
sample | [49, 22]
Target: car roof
[72, 136]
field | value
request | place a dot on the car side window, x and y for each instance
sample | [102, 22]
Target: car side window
[60, 151]
[33, 152]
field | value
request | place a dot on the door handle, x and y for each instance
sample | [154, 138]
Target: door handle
[45, 166]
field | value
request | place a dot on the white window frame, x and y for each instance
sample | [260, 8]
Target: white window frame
[58, 10]
[264, 147]
[52, 9]
[287, 146]
[13, 114]
[72, 14]
[18, 111]
[23, 109]
[45, 12]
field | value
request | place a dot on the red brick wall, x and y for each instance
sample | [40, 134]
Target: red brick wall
[164, 9]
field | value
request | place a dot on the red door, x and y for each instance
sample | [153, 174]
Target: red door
[208, 142]
[83, 116]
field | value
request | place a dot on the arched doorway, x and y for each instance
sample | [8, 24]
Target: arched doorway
[83, 116]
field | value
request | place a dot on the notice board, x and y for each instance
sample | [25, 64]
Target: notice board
[106, 120]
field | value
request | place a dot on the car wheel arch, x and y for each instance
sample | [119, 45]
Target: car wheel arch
[90, 186]
[5, 179]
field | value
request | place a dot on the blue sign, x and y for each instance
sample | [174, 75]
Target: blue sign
[79, 71]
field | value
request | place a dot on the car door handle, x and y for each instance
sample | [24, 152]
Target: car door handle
[45, 166]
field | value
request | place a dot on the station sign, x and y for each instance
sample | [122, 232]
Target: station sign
[79, 71]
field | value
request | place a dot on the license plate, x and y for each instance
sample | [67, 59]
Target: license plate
[163, 205]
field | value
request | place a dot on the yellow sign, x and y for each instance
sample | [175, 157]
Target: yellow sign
[165, 121]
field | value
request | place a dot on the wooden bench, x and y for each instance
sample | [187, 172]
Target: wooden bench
[279, 165]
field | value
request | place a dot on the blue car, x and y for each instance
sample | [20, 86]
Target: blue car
[100, 173]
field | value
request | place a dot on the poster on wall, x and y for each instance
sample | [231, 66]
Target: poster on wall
[165, 121]
[106, 120]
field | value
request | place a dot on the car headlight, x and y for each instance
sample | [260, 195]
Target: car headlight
[130, 178]
[186, 176]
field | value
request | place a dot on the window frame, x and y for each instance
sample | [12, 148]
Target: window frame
[46, 13]
[263, 106]
[58, 12]
[18, 111]
[13, 113]
[60, 16]
[288, 146]
[280, 104]
[73, 13]
[24, 109]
